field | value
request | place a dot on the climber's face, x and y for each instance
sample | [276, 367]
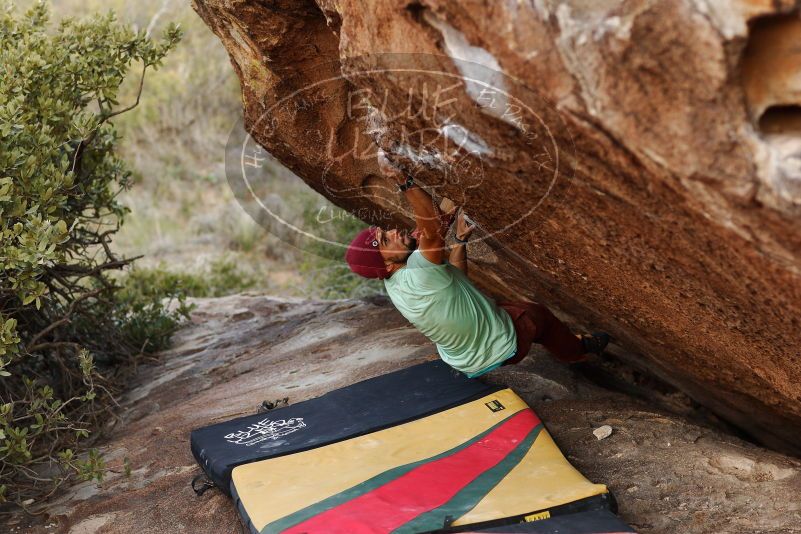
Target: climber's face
[395, 245]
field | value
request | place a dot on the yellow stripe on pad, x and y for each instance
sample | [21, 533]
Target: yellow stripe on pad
[543, 479]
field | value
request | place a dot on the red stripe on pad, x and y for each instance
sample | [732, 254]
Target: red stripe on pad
[424, 488]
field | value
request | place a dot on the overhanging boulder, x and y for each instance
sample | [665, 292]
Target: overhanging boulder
[659, 144]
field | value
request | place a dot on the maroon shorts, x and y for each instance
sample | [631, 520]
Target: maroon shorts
[534, 323]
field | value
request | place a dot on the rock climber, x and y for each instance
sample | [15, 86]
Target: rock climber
[433, 292]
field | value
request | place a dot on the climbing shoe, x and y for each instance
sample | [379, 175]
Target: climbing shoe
[595, 343]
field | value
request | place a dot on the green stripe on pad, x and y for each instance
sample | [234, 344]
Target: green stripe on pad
[471, 495]
[369, 485]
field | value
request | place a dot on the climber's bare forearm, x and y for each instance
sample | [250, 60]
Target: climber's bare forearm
[430, 241]
[458, 257]
[426, 213]
[464, 228]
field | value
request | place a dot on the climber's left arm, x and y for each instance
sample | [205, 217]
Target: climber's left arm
[458, 254]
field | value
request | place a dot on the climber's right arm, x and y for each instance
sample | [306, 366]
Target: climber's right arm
[430, 240]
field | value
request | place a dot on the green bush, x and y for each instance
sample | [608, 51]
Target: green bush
[68, 334]
[223, 277]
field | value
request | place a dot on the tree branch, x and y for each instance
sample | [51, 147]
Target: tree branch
[138, 95]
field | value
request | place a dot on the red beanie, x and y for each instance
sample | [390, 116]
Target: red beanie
[363, 256]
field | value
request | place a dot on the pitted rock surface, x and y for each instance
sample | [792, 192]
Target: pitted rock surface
[675, 225]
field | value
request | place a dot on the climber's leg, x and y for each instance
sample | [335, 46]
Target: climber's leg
[525, 329]
[554, 335]
[534, 323]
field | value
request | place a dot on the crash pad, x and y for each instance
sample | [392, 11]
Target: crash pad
[351, 411]
[474, 464]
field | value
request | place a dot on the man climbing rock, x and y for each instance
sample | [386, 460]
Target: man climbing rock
[471, 332]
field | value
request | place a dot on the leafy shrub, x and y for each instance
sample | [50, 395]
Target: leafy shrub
[67, 333]
[223, 277]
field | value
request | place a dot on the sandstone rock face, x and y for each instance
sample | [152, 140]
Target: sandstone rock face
[633, 164]
[668, 474]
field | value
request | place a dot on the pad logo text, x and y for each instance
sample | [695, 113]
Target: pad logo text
[264, 430]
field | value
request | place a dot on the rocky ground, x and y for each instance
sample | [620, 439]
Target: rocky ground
[670, 475]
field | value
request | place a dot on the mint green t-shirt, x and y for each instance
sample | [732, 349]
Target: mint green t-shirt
[471, 332]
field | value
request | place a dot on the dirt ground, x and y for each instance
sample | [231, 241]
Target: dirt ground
[669, 475]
